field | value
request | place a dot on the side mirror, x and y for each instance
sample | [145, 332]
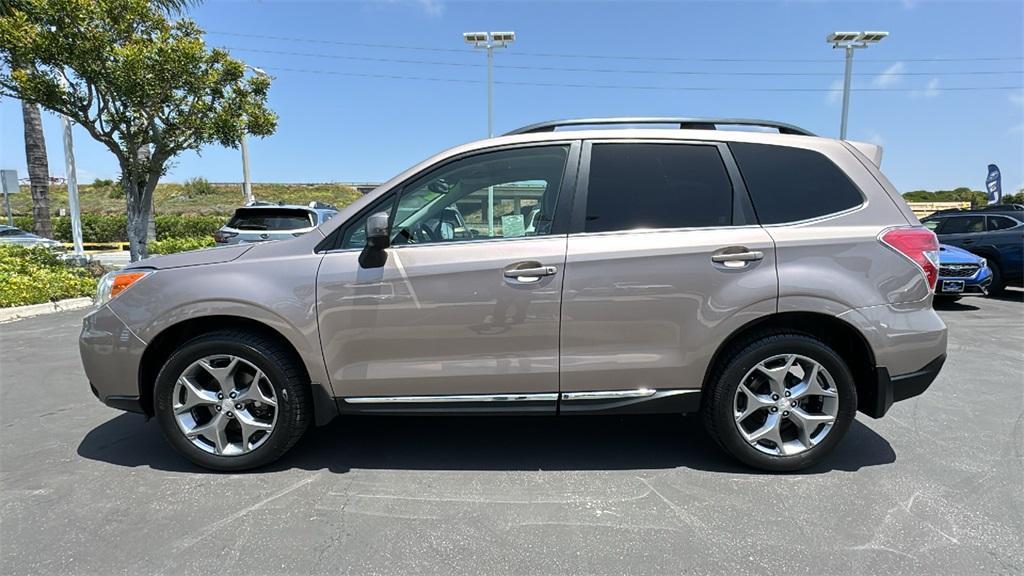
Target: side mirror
[378, 239]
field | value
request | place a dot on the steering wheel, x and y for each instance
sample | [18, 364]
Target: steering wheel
[419, 233]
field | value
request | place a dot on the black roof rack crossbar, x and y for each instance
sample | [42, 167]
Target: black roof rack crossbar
[684, 123]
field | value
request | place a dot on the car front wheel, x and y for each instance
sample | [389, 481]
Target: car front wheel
[232, 400]
[780, 402]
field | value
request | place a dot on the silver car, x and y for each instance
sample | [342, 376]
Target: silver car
[19, 237]
[774, 282]
[264, 221]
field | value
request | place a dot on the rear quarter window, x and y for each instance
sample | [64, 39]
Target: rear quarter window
[271, 219]
[791, 184]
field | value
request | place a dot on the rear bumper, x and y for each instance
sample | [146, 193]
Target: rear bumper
[890, 389]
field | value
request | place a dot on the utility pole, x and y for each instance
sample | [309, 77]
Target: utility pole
[489, 41]
[849, 41]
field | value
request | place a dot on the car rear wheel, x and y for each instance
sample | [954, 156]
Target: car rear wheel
[232, 400]
[780, 401]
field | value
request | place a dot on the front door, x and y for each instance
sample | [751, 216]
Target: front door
[465, 311]
[664, 263]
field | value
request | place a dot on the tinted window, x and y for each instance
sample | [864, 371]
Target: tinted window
[962, 225]
[1000, 223]
[503, 194]
[271, 219]
[931, 224]
[790, 184]
[657, 186]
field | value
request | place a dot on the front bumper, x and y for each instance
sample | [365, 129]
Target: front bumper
[890, 389]
[976, 285]
[111, 354]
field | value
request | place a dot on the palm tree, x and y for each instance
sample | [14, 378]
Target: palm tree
[38, 169]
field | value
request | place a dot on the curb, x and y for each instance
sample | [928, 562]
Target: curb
[18, 312]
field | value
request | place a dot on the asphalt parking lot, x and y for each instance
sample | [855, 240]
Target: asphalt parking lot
[936, 487]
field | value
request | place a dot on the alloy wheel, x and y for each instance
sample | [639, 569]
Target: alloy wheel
[786, 405]
[224, 405]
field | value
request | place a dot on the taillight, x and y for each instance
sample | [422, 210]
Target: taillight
[221, 237]
[920, 245]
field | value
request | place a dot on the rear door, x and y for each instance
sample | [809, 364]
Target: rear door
[664, 262]
[464, 315]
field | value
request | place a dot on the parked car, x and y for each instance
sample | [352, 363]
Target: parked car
[961, 273]
[776, 283]
[263, 221]
[19, 237]
[995, 233]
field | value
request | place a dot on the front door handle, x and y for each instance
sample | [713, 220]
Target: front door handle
[528, 271]
[737, 258]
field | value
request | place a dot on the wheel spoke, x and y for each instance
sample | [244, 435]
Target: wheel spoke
[811, 385]
[224, 376]
[777, 376]
[250, 425]
[215, 431]
[194, 396]
[254, 393]
[769, 431]
[755, 402]
[807, 423]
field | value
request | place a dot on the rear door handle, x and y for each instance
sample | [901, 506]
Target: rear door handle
[750, 256]
[528, 271]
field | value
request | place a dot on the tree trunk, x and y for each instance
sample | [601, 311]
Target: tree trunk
[143, 156]
[38, 169]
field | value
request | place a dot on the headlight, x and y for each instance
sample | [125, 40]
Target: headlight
[113, 283]
[984, 263]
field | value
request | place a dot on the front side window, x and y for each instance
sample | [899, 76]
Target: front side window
[963, 225]
[502, 194]
[642, 186]
[791, 184]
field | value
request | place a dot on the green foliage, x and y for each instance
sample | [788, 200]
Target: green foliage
[36, 275]
[108, 187]
[962, 194]
[196, 187]
[188, 226]
[174, 245]
[1017, 198]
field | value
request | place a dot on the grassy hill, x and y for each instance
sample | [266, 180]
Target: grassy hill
[191, 198]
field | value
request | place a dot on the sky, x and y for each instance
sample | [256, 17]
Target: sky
[366, 89]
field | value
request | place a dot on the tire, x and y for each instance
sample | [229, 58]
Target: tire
[998, 285]
[281, 397]
[741, 364]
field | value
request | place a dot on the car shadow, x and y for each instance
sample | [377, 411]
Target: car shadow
[1009, 295]
[958, 305]
[508, 443]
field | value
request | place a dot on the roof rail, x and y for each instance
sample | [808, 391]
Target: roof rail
[1001, 208]
[684, 124]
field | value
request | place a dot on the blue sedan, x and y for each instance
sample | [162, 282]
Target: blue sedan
[961, 273]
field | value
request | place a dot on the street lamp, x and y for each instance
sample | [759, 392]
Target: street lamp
[850, 41]
[246, 182]
[490, 41]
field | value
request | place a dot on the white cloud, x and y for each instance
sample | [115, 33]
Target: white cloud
[835, 92]
[931, 90]
[890, 75]
[431, 7]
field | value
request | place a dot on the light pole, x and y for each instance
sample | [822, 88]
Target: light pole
[850, 41]
[490, 41]
[246, 182]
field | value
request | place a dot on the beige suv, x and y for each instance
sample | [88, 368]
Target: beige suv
[773, 281]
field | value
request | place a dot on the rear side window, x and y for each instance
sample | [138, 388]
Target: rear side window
[271, 219]
[1000, 222]
[962, 225]
[635, 186]
[790, 184]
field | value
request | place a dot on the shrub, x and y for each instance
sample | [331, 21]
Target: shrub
[198, 186]
[174, 245]
[187, 226]
[36, 275]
